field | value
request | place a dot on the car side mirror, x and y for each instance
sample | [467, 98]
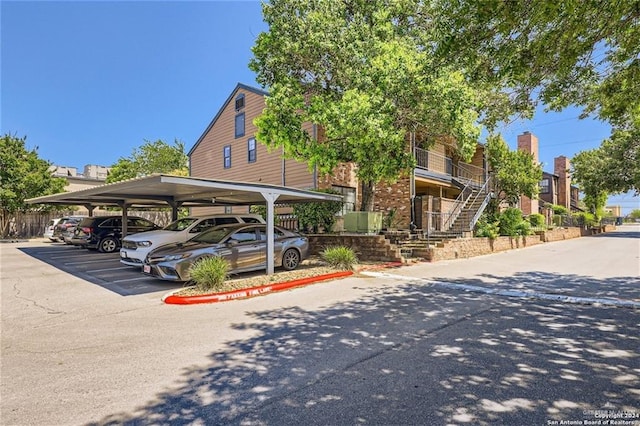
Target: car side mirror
[232, 243]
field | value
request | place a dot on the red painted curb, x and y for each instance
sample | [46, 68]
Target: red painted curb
[250, 292]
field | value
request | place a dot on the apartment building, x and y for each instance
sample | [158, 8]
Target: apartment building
[425, 197]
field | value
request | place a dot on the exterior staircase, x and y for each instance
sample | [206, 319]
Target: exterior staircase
[461, 220]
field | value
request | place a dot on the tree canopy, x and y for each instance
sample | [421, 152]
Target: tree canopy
[371, 72]
[151, 157]
[561, 53]
[572, 52]
[23, 175]
[587, 174]
[360, 71]
[514, 173]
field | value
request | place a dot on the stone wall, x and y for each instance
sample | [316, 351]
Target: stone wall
[377, 248]
[471, 247]
[367, 247]
[560, 234]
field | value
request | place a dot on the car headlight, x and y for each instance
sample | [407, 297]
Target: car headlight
[144, 243]
[172, 257]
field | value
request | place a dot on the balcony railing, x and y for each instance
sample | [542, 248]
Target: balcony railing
[435, 162]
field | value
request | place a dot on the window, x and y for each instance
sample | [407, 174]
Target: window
[250, 220]
[227, 156]
[111, 223]
[244, 236]
[239, 125]
[226, 220]
[203, 226]
[544, 186]
[251, 150]
[348, 198]
[239, 101]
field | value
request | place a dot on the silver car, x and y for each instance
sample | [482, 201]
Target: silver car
[244, 246]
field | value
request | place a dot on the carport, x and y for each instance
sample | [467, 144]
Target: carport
[160, 190]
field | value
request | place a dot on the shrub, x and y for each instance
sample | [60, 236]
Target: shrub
[559, 210]
[262, 211]
[558, 220]
[509, 221]
[585, 219]
[209, 273]
[391, 220]
[523, 228]
[536, 219]
[339, 257]
[315, 215]
[486, 228]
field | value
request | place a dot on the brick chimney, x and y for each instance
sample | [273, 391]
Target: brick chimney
[561, 168]
[528, 142]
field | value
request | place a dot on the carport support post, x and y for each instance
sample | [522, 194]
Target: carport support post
[125, 221]
[270, 198]
[174, 210]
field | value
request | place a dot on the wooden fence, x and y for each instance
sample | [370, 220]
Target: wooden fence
[33, 224]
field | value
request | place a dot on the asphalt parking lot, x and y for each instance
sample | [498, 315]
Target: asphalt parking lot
[103, 269]
[390, 349]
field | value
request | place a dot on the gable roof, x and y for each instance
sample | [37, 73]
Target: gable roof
[224, 105]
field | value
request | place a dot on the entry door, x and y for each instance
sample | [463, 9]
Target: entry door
[417, 212]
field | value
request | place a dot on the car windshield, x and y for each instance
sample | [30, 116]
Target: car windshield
[180, 224]
[213, 235]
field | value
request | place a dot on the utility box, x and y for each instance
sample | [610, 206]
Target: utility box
[363, 222]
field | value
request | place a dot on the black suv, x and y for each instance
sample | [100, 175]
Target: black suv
[105, 232]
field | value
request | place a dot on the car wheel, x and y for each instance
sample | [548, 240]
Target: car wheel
[290, 259]
[108, 245]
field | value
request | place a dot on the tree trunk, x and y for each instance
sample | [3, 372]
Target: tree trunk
[368, 187]
[5, 220]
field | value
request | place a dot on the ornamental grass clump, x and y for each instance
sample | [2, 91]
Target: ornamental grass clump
[209, 273]
[339, 257]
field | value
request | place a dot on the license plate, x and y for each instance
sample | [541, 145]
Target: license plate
[146, 269]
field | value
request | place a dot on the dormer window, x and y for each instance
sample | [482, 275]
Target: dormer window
[239, 101]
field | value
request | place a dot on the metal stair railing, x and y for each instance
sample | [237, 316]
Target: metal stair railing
[458, 205]
[485, 201]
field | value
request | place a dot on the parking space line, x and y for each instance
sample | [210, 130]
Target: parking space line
[54, 251]
[107, 269]
[88, 261]
[132, 279]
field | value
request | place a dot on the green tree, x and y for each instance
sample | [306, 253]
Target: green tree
[621, 169]
[151, 157]
[562, 53]
[23, 175]
[361, 73]
[587, 173]
[559, 53]
[514, 173]
[635, 214]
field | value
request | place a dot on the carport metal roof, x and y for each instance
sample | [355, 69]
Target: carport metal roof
[161, 190]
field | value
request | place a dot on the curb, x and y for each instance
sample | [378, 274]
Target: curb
[250, 292]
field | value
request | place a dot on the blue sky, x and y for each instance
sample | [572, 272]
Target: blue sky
[87, 82]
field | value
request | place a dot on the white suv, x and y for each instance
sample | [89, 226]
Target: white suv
[136, 247]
